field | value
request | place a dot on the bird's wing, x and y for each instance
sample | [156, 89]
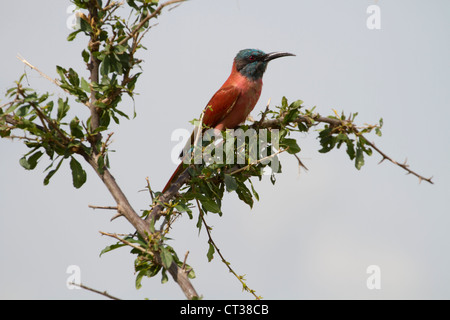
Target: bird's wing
[220, 105]
[215, 111]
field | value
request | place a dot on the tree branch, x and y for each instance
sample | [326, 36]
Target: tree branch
[103, 207]
[123, 205]
[54, 81]
[92, 155]
[93, 66]
[311, 120]
[141, 226]
[179, 274]
[157, 210]
[103, 293]
[147, 18]
[211, 241]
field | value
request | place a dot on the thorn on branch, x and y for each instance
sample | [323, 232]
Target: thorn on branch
[336, 123]
[183, 267]
[117, 215]
[382, 159]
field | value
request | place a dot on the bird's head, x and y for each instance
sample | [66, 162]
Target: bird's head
[252, 63]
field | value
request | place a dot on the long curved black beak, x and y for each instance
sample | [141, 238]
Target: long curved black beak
[275, 55]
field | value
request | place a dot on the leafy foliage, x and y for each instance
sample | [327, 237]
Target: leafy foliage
[233, 162]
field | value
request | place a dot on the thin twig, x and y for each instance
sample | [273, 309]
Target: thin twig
[103, 293]
[54, 81]
[117, 208]
[263, 116]
[148, 17]
[104, 207]
[313, 119]
[115, 236]
[258, 161]
[149, 189]
[300, 163]
[240, 278]
[404, 166]
[106, 143]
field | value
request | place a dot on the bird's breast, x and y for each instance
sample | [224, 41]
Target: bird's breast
[249, 94]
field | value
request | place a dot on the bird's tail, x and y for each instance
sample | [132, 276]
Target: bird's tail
[174, 176]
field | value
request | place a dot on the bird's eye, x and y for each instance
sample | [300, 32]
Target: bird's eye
[251, 58]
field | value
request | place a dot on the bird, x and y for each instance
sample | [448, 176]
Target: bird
[232, 103]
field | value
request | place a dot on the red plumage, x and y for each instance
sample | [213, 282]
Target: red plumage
[229, 106]
[233, 102]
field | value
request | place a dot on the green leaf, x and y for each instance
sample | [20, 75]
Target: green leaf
[138, 280]
[23, 111]
[273, 179]
[24, 163]
[85, 85]
[209, 205]
[164, 277]
[230, 183]
[86, 55]
[378, 131]
[284, 102]
[101, 164]
[327, 140]
[138, 241]
[63, 108]
[119, 49]
[78, 174]
[253, 190]
[211, 250]
[73, 35]
[291, 144]
[166, 257]
[13, 107]
[76, 129]
[184, 207]
[73, 77]
[359, 160]
[61, 71]
[132, 83]
[105, 66]
[112, 247]
[32, 160]
[145, 269]
[350, 148]
[51, 173]
[191, 274]
[244, 193]
[296, 104]
[132, 4]
[84, 26]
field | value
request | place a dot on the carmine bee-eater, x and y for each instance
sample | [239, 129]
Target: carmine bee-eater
[233, 102]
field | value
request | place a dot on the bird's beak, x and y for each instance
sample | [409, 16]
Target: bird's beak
[274, 55]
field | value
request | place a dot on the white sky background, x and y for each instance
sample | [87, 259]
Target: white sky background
[312, 235]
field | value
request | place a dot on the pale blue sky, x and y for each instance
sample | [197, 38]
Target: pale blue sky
[312, 235]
